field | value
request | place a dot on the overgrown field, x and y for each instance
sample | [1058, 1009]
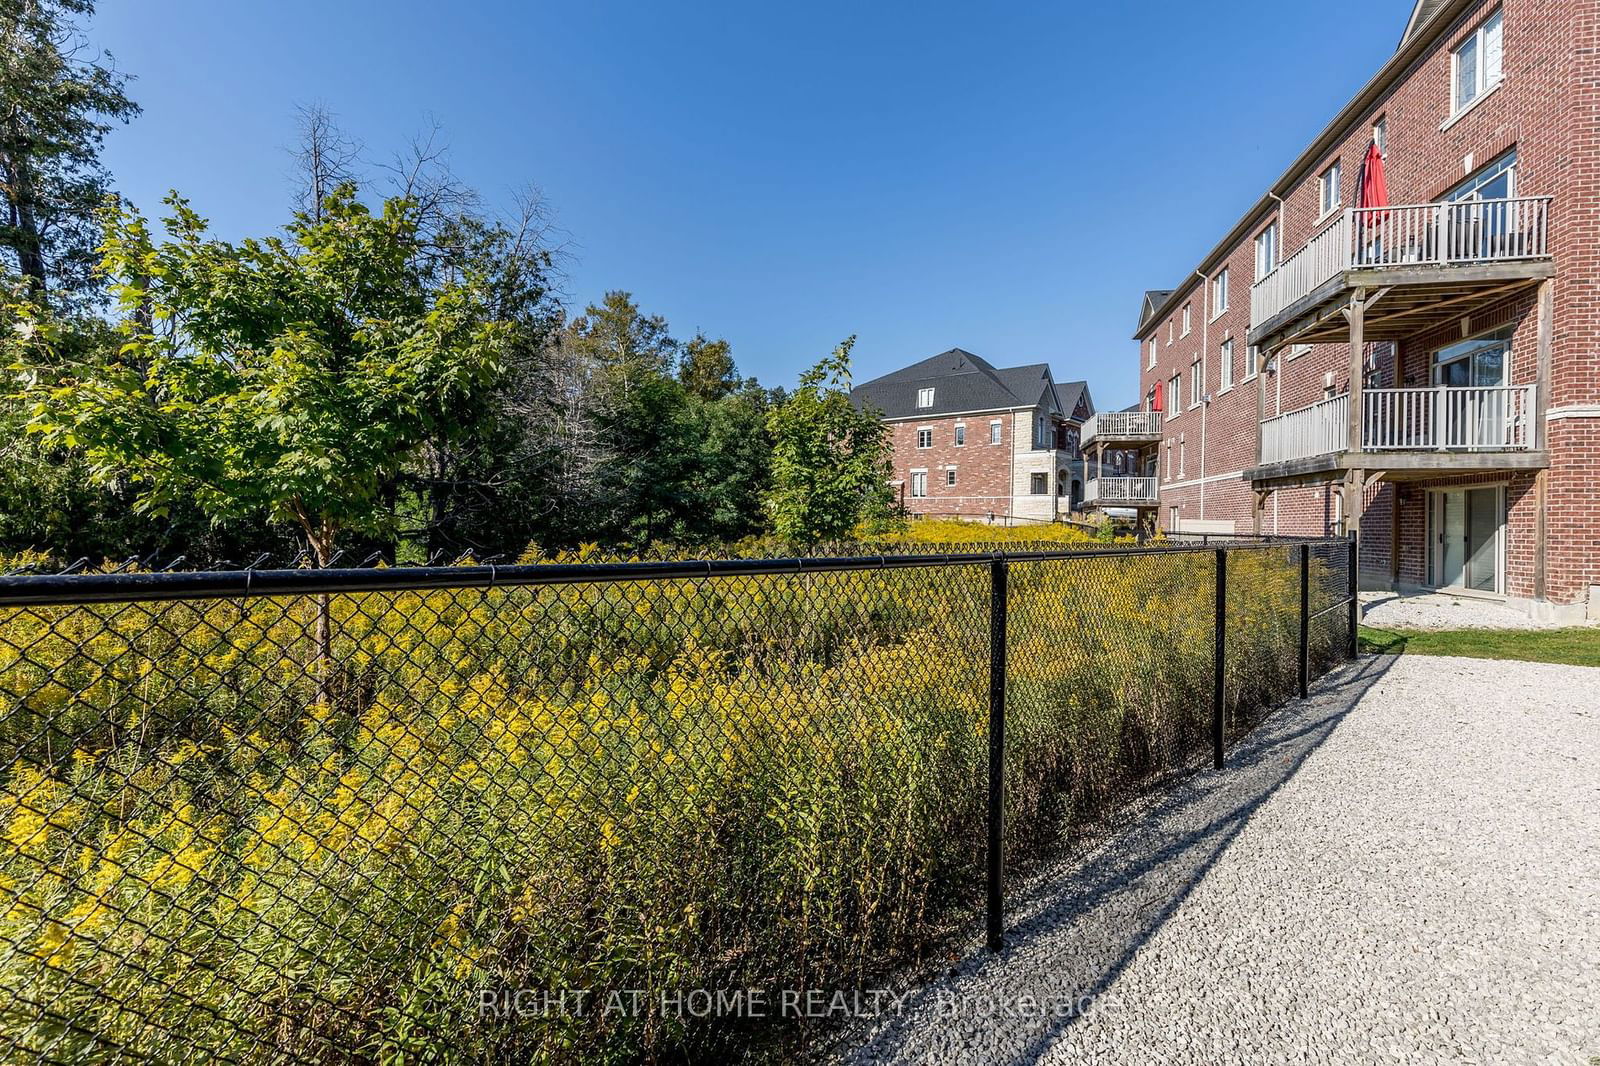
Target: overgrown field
[214, 850]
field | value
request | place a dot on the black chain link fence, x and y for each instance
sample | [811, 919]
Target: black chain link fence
[489, 813]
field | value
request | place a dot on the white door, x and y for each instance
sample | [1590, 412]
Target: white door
[1468, 530]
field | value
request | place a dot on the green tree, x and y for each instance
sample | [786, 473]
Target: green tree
[627, 347]
[56, 107]
[830, 459]
[294, 376]
[706, 367]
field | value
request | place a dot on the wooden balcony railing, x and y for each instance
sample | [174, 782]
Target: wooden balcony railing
[1445, 234]
[1122, 425]
[1441, 418]
[1316, 430]
[1120, 491]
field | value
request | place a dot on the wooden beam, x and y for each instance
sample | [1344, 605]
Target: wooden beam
[1356, 312]
[1475, 294]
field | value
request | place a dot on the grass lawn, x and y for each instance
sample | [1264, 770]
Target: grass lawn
[1579, 646]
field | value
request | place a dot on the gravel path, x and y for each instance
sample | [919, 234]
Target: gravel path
[1438, 610]
[1403, 869]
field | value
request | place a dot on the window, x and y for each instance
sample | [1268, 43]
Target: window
[1497, 181]
[1328, 184]
[1185, 320]
[1183, 456]
[924, 397]
[1380, 136]
[1479, 362]
[1267, 251]
[1039, 440]
[1297, 350]
[919, 483]
[1252, 358]
[950, 476]
[1169, 460]
[1226, 366]
[994, 432]
[924, 438]
[1175, 393]
[1039, 484]
[1219, 293]
[1169, 331]
[1197, 385]
[1475, 65]
[1152, 359]
[961, 435]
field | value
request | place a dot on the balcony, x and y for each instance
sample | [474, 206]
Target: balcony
[1425, 430]
[1120, 492]
[1122, 427]
[1420, 265]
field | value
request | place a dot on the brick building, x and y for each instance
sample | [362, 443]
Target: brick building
[977, 441]
[1426, 371]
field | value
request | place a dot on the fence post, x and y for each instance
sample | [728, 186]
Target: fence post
[1219, 656]
[1355, 602]
[997, 751]
[1305, 619]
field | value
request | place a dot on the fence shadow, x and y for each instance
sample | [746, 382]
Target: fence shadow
[1075, 927]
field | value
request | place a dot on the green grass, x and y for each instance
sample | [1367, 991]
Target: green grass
[1579, 646]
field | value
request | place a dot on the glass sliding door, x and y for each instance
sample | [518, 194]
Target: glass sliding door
[1468, 529]
[1480, 419]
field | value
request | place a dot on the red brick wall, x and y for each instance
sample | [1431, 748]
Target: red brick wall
[1548, 107]
[983, 470]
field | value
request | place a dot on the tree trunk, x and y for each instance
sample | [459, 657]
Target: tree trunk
[28, 241]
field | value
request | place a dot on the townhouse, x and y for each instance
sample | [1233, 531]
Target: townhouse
[975, 441]
[1401, 337]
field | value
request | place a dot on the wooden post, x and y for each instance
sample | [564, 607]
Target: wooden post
[1261, 398]
[1540, 534]
[1356, 313]
[1541, 400]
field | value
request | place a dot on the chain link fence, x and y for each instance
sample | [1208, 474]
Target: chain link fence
[488, 813]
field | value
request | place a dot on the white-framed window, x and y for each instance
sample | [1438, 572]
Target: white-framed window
[1183, 456]
[1380, 135]
[924, 397]
[1169, 460]
[994, 432]
[950, 475]
[1169, 331]
[961, 434]
[1252, 358]
[1039, 484]
[1475, 64]
[924, 438]
[1267, 250]
[1297, 350]
[1328, 189]
[1197, 384]
[1185, 320]
[1151, 361]
[919, 483]
[1225, 367]
[1219, 293]
[1175, 393]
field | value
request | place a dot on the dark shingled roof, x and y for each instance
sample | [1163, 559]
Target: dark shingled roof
[961, 382]
[1153, 298]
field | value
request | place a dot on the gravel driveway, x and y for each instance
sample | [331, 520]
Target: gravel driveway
[1440, 610]
[1403, 869]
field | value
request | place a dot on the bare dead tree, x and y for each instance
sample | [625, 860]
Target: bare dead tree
[324, 158]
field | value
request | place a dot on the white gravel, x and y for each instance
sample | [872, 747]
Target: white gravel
[1403, 869]
[1438, 610]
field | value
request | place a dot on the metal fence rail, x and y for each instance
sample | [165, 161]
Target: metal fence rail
[494, 813]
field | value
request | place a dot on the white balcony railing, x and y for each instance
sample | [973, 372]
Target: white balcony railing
[1120, 491]
[1316, 430]
[1469, 231]
[1441, 418]
[1123, 425]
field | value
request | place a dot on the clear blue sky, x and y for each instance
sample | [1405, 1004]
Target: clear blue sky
[1006, 179]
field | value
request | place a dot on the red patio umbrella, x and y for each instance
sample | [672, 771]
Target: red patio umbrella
[1374, 189]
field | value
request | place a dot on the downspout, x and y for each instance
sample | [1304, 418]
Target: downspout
[1205, 365]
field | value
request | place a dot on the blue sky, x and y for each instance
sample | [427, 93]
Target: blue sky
[1006, 179]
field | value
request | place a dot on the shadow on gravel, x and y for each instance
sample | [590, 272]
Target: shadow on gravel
[1074, 928]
